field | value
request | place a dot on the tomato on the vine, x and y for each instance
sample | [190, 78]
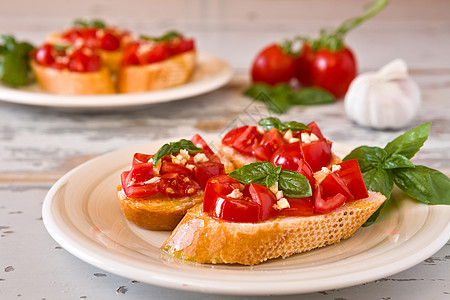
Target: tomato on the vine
[273, 65]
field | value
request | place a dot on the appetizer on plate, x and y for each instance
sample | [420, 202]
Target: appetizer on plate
[158, 190]
[156, 63]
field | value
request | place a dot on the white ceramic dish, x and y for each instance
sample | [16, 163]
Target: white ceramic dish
[81, 213]
[211, 73]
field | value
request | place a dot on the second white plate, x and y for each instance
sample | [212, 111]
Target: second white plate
[211, 73]
[81, 213]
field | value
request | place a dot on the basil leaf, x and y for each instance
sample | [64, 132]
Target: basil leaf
[311, 96]
[271, 122]
[409, 143]
[368, 157]
[254, 172]
[275, 98]
[379, 180]
[271, 179]
[396, 161]
[424, 184]
[175, 147]
[294, 184]
[14, 62]
[92, 23]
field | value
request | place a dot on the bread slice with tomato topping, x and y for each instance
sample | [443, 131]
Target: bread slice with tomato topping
[203, 239]
[159, 189]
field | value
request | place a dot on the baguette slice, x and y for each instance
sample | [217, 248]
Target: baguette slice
[155, 76]
[202, 239]
[156, 212]
[65, 82]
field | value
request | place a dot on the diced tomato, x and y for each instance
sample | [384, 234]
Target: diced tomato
[333, 184]
[157, 53]
[129, 55]
[233, 134]
[44, 55]
[298, 207]
[108, 41]
[140, 158]
[169, 167]
[218, 185]
[244, 142]
[352, 177]
[287, 156]
[265, 199]
[317, 154]
[324, 204]
[84, 60]
[314, 129]
[235, 210]
[198, 140]
[174, 185]
[271, 141]
[305, 169]
[89, 37]
[205, 170]
[134, 181]
[180, 45]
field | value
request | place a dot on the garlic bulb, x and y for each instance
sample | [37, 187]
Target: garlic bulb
[385, 99]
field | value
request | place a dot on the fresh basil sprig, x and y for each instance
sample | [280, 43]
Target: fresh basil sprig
[271, 122]
[14, 61]
[164, 38]
[175, 147]
[382, 167]
[293, 184]
[281, 97]
[91, 23]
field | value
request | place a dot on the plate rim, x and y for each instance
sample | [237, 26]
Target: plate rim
[190, 89]
[200, 285]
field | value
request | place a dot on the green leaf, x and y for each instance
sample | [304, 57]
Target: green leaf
[368, 157]
[379, 180]
[294, 184]
[311, 96]
[409, 143]
[175, 147]
[374, 216]
[424, 184]
[396, 161]
[14, 62]
[91, 23]
[254, 172]
[271, 179]
[271, 122]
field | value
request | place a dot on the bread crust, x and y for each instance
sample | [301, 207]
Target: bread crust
[155, 76]
[65, 82]
[156, 212]
[202, 239]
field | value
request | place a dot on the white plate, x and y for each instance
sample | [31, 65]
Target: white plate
[81, 213]
[210, 74]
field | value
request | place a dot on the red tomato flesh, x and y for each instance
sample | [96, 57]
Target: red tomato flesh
[266, 200]
[317, 154]
[271, 141]
[352, 177]
[301, 207]
[287, 156]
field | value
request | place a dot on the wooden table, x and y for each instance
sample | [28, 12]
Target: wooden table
[38, 145]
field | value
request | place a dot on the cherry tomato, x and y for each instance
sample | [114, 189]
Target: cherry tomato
[303, 65]
[305, 169]
[351, 175]
[158, 52]
[265, 199]
[334, 71]
[108, 41]
[129, 55]
[140, 158]
[205, 170]
[233, 134]
[245, 142]
[44, 55]
[324, 204]
[180, 45]
[287, 156]
[169, 167]
[134, 181]
[175, 185]
[271, 141]
[298, 207]
[317, 154]
[84, 60]
[272, 65]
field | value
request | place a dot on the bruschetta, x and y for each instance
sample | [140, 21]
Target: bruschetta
[251, 223]
[158, 190]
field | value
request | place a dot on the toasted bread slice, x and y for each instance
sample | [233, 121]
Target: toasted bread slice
[203, 239]
[155, 76]
[156, 212]
[66, 82]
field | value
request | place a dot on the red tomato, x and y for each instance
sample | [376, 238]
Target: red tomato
[133, 181]
[108, 41]
[271, 141]
[298, 207]
[272, 65]
[204, 171]
[333, 184]
[175, 185]
[314, 129]
[334, 71]
[129, 55]
[218, 185]
[265, 199]
[245, 142]
[181, 45]
[157, 53]
[198, 140]
[235, 210]
[351, 175]
[326, 204]
[305, 169]
[303, 65]
[44, 55]
[140, 158]
[233, 134]
[84, 60]
[317, 154]
[287, 156]
[169, 167]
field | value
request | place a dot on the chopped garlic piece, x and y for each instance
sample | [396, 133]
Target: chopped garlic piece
[274, 188]
[235, 194]
[335, 168]
[320, 175]
[281, 204]
[179, 159]
[313, 137]
[190, 190]
[185, 154]
[153, 180]
[293, 140]
[306, 138]
[199, 146]
[288, 135]
[190, 167]
[157, 167]
[279, 195]
[200, 157]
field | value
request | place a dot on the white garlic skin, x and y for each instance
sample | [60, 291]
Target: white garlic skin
[387, 99]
